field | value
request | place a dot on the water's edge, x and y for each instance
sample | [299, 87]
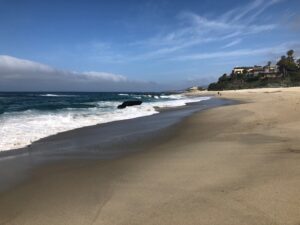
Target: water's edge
[27, 118]
[103, 141]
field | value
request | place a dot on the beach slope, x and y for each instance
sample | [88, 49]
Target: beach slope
[237, 164]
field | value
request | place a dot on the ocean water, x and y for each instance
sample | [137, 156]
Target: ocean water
[28, 117]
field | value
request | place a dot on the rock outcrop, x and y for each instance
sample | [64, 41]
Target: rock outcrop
[129, 103]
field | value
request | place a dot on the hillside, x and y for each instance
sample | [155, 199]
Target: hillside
[286, 73]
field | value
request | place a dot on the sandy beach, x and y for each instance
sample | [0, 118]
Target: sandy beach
[236, 164]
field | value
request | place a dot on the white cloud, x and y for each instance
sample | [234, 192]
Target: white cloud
[103, 76]
[24, 75]
[10, 64]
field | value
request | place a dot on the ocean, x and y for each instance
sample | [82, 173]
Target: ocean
[28, 117]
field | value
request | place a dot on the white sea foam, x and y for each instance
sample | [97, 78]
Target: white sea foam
[176, 103]
[55, 95]
[19, 129]
[139, 96]
[174, 96]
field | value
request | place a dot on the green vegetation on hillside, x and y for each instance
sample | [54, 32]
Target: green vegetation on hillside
[286, 73]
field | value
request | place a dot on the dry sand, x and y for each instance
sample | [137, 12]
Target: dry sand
[237, 164]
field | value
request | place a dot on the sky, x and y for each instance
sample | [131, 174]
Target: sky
[138, 45]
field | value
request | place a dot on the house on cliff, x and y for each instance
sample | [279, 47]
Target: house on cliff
[256, 70]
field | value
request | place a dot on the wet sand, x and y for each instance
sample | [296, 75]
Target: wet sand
[236, 164]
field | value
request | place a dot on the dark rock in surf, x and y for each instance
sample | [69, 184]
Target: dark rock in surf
[129, 103]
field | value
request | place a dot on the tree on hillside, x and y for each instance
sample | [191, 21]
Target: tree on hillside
[291, 64]
[282, 64]
[290, 56]
[223, 77]
[287, 63]
[298, 63]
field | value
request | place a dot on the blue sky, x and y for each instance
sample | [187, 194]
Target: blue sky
[163, 44]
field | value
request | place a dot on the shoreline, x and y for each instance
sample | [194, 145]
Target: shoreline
[237, 164]
[98, 142]
[41, 116]
[157, 109]
[16, 151]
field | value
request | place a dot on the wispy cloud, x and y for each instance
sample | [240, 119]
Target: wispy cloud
[233, 43]
[192, 30]
[230, 26]
[278, 49]
[249, 12]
